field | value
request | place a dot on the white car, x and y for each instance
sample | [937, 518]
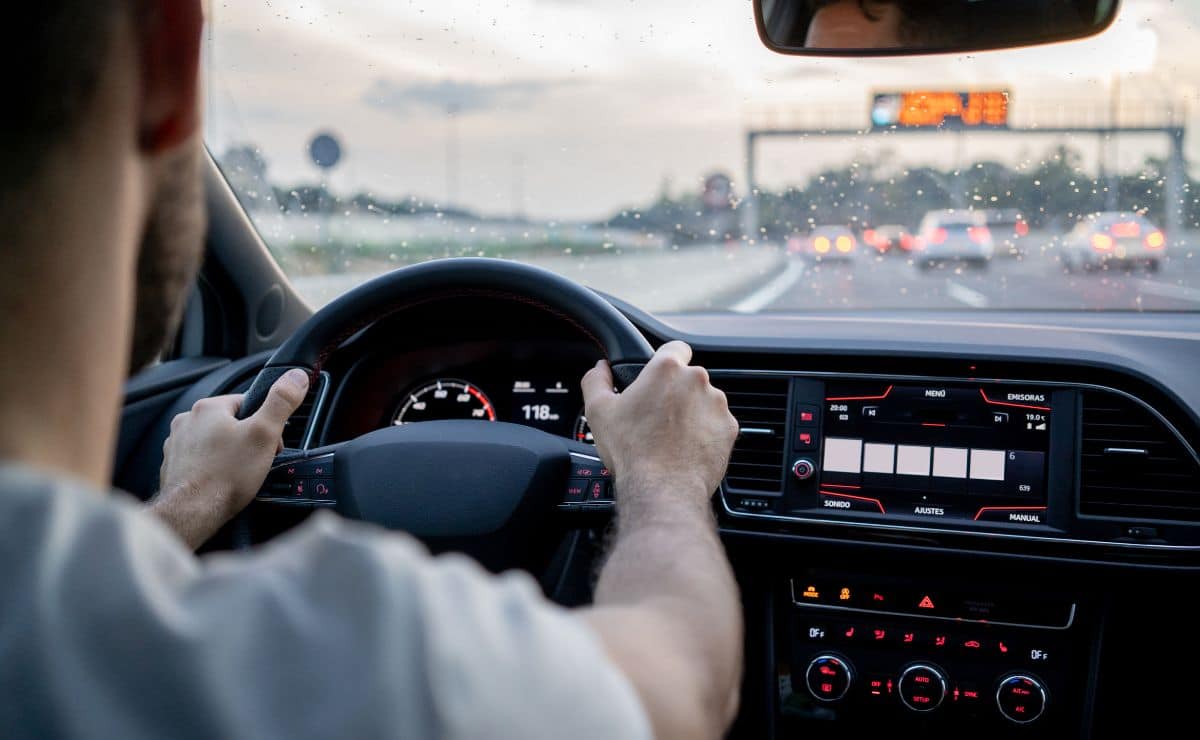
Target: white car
[953, 236]
[1113, 239]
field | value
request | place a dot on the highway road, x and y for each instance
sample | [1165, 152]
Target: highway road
[1036, 282]
[758, 279]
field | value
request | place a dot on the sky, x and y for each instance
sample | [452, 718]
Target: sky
[572, 109]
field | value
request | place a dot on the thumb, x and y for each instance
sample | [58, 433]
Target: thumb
[283, 399]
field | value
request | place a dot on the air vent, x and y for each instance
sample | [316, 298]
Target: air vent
[760, 406]
[1132, 465]
[296, 430]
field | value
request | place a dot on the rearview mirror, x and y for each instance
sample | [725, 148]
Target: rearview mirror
[904, 27]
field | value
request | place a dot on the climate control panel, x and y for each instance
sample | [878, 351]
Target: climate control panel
[869, 653]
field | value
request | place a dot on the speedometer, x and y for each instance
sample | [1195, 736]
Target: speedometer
[445, 398]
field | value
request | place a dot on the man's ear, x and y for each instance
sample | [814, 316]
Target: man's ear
[169, 32]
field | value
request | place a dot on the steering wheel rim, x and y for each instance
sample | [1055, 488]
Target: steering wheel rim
[317, 338]
[481, 488]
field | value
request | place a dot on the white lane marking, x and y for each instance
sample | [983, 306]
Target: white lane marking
[1169, 290]
[963, 294]
[772, 291]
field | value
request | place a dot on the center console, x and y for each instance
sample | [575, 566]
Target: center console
[1002, 461]
[930, 655]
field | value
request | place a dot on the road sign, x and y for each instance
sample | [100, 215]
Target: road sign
[939, 109]
[325, 150]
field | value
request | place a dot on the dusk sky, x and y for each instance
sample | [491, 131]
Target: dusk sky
[570, 109]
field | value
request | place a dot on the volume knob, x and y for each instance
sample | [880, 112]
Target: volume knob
[803, 469]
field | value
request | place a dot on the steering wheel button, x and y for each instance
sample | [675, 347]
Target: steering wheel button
[577, 489]
[322, 489]
[585, 470]
[598, 491]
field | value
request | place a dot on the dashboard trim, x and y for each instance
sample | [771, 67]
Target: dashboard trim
[724, 490]
[907, 615]
[314, 418]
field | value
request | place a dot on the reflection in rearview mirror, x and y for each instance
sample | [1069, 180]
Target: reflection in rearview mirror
[895, 27]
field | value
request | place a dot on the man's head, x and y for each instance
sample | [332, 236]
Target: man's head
[117, 77]
[880, 24]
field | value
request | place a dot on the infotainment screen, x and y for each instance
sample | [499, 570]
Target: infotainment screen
[940, 451]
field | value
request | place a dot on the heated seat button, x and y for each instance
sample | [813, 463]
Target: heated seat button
[922, 687]
[1021, 698]
[828, 677]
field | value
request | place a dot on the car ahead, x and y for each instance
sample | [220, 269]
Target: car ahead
[889, 239]
[825, 244]
[1113, 239]
[953, 236]
[1009, 231]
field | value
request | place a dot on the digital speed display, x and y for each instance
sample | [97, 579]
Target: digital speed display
[940, 110]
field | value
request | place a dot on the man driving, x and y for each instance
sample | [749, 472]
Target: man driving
[112, 628]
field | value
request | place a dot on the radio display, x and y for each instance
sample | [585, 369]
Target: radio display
[937, 451]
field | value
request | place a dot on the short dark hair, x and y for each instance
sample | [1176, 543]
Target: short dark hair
[55, 51]
[922, 21]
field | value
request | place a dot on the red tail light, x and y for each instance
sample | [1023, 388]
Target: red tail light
[906, 242]
[1022, 228]
[1155, 240]
[937, 236]
[1125, 229]
[869, 237]
[1102, 242]
[979, 234]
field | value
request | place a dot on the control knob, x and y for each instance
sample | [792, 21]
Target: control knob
[1021, 698]
[803, 469]
[922, 687]
[828, 677]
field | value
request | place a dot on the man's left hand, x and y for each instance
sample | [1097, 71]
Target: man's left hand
[214, 464]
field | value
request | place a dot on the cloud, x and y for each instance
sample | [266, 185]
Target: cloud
[461, 97]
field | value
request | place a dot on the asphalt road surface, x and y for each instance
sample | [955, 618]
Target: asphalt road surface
[1033, 282]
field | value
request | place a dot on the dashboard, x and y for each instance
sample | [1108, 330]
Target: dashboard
[477, 360]
[981, 533]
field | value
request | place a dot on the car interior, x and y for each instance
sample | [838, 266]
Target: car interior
[946, 522]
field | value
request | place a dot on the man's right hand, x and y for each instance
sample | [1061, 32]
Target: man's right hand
[667, 606]
[671, 429]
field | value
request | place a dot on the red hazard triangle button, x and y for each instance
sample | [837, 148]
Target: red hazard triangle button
[925, 603]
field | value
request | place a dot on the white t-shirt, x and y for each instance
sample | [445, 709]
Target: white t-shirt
[111, 628]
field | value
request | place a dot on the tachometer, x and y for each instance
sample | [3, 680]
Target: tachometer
[445, 398]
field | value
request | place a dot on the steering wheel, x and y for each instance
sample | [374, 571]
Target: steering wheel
[483, 487]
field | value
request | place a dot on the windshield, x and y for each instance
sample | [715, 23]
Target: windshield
[657, 152]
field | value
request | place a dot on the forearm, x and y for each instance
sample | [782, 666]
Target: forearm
[191, 514]
[667, 562]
